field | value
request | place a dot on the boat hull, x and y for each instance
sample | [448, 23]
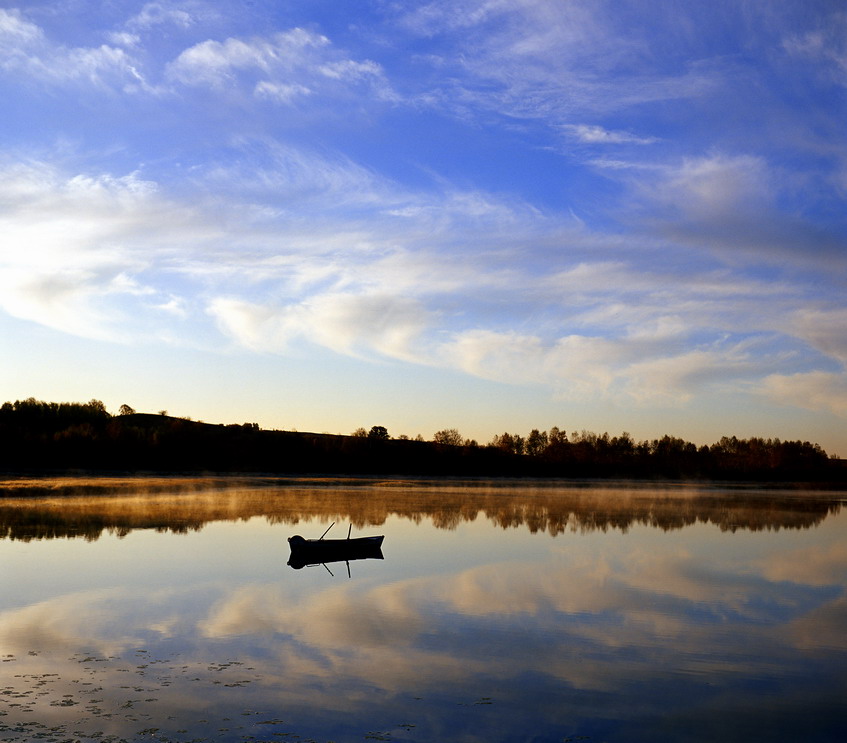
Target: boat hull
[321, 551]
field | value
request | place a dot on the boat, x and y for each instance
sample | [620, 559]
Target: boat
[308, 552]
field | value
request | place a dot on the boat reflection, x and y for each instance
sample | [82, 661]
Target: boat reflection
[310, 552]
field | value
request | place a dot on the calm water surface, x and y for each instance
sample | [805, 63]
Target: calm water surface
[499, 613]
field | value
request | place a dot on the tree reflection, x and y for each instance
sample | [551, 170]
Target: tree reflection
[187, 504]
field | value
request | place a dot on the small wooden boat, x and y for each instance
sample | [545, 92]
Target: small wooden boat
[305, 552]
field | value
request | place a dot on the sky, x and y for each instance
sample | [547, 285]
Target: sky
[486, 215]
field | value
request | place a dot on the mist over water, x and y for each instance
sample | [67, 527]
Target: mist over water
[500, 612]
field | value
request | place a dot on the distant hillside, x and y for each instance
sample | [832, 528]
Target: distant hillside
[37, 436]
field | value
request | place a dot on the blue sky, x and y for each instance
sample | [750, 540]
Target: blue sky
[485, 215]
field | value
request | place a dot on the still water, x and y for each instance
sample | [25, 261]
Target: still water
[500, 612]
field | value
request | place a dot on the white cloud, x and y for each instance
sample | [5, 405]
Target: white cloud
[70, 246]
[826, 45]
[592, 134]
[288, 248]
[289, 177]
[435, 17]
[667, 303]
[717, 187]
[730, 206]
[825, 330]
[817, 390]
[156, 14]
[214, 62]
[546, 61]
[278, 66]
[351, 70]
[123, 38]
[675, 379]
[254, 326]
[345, 323]
[280, 92]
[651, 362]
[77, 247]
[576, 366]
[25, 50]
[389, 324]
[15, 31]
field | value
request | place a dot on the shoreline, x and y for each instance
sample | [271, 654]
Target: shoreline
[39, 485]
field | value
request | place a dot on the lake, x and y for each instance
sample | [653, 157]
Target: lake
[165, 610]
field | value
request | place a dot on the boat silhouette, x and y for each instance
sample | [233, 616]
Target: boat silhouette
[310, 552]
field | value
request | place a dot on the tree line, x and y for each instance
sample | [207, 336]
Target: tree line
[41, 436]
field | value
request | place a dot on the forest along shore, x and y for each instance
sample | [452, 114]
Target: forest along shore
[46, 438]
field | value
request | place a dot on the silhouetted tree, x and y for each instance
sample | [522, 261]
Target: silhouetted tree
[558, 447]
[98, 407]
[557, 437]
[126, 410]
[510, 443]
[378, 432]
[448, 436]
[536, 442]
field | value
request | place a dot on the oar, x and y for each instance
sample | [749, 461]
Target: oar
[327, 530]
[349, 530]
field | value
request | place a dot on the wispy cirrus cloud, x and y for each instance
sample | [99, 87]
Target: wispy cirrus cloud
[736, 207]
[215, 62]
[594, 134]
[825, 44]
[154, 14]
[823, 329]
[110, 257]
[547, 62]
[27, 51]
[15, 29]
[280, 67]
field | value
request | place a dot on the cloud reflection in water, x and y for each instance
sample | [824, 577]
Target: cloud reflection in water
[624, 633]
